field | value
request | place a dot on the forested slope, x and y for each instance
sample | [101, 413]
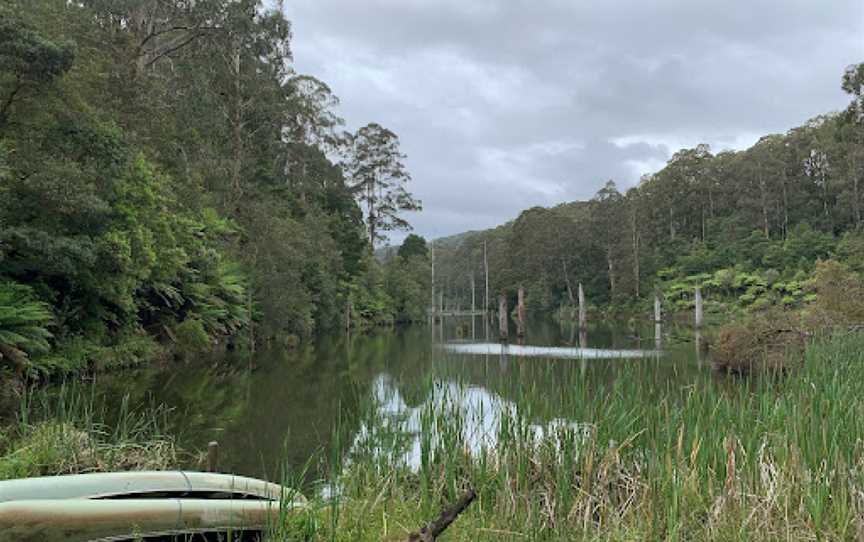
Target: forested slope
[748, 226]
[166, 177]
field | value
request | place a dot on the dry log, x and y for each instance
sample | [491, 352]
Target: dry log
[432, 531]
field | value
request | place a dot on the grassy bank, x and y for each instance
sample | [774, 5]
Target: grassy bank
[721, 459]
[63, 432]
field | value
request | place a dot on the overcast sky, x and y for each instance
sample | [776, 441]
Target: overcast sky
[505, 104]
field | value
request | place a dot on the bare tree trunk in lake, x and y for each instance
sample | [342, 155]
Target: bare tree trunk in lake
[520, 313]
[432, 307]
[473, 310]
[658, 315]
[502, 317]
[583, 314]
[569, 288]
[699, 313]
[486, 306]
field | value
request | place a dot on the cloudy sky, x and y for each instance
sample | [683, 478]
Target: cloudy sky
[505, 104]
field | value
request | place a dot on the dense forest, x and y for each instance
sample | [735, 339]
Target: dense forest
[751, 228]
[169, 182]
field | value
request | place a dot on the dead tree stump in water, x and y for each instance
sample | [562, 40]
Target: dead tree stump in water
[699, 312]
[583, 309]
[502, 317]
[520, 313]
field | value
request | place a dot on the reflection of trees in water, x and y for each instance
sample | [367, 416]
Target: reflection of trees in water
[287, 410]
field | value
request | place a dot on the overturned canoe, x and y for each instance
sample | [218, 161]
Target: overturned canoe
[143, 485]
[84, 520]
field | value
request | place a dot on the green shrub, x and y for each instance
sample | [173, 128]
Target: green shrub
[191, 338]
[770, 340]
[23, 325]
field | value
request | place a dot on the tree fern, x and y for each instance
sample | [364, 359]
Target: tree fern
[23, 320]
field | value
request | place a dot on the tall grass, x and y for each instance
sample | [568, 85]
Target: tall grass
[63, 431]
[640, 458]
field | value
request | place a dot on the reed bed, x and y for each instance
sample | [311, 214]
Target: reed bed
[639, 458]
[63, 431]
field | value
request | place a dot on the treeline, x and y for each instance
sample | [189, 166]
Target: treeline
[167, 177]
[748, 226]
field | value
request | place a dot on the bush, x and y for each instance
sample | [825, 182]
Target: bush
[23, 325]
[839, 298]
[191, 338]
[770, 340]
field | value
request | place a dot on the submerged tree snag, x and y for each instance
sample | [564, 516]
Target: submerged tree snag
[431, 532]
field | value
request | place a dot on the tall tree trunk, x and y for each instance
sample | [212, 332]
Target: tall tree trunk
[856, 200]
[370, 203]
[763, 199]
[567, 283]
[785, 190]
[237, 129]
[636, 270]
[634, 231]
[611, 266]
[671, 223]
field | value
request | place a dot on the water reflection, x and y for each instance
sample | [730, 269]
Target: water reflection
[546, 351]
[303, 403]
[395, 433]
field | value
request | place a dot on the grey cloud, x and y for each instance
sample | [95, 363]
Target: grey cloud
[506, 104]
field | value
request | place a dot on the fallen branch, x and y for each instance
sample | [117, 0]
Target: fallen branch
[432, 531]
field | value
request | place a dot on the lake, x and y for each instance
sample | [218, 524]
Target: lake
[285, 408]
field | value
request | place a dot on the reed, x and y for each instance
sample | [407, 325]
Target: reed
[724, 458]
[68, 431]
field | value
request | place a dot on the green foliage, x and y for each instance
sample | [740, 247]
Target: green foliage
[155, 176]
[28, 61]
[24, 324]
[191, 337]
[78, 353]
[413, 245]
[408, 286]
[65, 433]
[378, 176]
[369, 301]
[752, 220]
[648, 459]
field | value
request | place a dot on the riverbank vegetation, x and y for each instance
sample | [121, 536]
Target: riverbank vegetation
[166, 176]
[721, 459]
[67, 432]
[748, 227]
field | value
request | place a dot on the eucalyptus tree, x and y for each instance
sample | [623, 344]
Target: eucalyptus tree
[851, 137]
[413, 245]
[608, 218]
[29, 62]
[377, 173]
[853, 84]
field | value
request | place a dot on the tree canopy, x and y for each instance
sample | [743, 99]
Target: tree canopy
[167, 175]
[750, 225]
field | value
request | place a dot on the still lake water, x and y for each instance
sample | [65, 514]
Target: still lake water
[286, 410]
